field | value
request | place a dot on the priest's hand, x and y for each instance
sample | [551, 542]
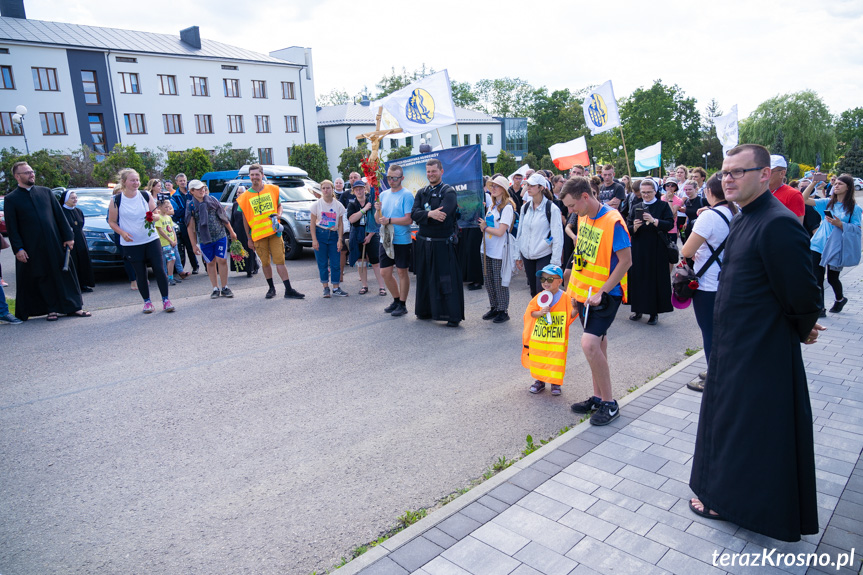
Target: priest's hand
[22, 256]
[813, 335]
[70, 244]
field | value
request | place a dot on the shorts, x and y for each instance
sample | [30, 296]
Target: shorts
[169, 253]
[270, 247]
[216, 249]
[402, 259]
[373, 250]
[599, 320]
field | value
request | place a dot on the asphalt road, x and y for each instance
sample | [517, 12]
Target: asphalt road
[263, 436]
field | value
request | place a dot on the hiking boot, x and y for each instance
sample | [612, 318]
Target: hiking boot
[339, 292]
[501, 317]
[392, 307]
[326, 292]
[294, 294]
[215, 294]
[837, 306]
[167, 305]
[607, 412]
[271, 293]
[537, 386]
[401, 309]
[586, 406]
[490, 314]
[148, 307]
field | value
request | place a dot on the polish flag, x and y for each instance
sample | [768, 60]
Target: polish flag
[570, 153]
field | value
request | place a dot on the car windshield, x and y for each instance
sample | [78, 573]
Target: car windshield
[295, 194]
[94, 206]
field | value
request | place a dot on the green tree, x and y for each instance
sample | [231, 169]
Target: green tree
[46, 163]
[350, 158]
[400, 152]
[228, 157]
[849, 125]
[194, 162]
[509, 97]
[531, 160]
[505, 163]
[545, 163]
[78, 165]
[709, 140]
[313, 159]
[486, 167]
[462, 95]
[852, 162]
[805, 122]
[334, 97]
[398, 80]
[117, 159]
[554, 118]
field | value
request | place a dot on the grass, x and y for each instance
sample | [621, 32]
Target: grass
[10, 301]
[690, 352]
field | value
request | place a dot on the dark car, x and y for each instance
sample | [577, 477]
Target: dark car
[94, 202]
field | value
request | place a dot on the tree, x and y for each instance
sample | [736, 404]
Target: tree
[334, 97]
[350, 158]
[117, 159]
[852, 162]
[849, 125]
[554, 118]
[462, 95]
[487, 170]
[508, 97]
[78, 165]
[313, 159]
[805, 122]
[46, 164]
[531, 160]
[400, 152]
[194, 162]
[229, 158]
[505, 163]
[398, 80]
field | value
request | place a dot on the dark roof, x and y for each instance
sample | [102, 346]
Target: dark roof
[65, 35]
[358, 115]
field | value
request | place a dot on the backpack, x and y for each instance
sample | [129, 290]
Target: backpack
[145, 195]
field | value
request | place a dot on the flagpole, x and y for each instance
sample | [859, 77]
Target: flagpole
[439, 138]
[625, 153]
[458, 134]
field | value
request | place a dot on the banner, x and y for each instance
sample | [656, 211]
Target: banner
[648, 158]
[570, 153]
[462, 169]
[418, 108]
[726, 130]
[522, 171]
[600, 110]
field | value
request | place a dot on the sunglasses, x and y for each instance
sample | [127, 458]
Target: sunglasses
[548, 280]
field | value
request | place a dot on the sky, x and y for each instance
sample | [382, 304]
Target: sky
[736, 51]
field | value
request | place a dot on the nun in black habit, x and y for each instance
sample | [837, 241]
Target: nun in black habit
[80, 253]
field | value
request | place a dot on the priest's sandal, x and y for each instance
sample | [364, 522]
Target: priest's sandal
[52, 317]
[704, 511]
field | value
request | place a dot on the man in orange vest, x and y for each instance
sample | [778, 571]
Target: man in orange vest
[261, 208]
[598, 284]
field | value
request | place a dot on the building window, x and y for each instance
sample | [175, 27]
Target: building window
[467, 139]
[91, 89]
[235, 124]
[135, 124]
[478, 139]
[453, 141]
[291, 124]
[262, 123]
[409, 141]
[53, 123]
[265, 155]
[394, 144]
[97, 131]
[489, 139]
[173, 123]
[6, 80]
[199, 86]
[168, 85]
[288, 91]
[232, 88]
[7, 128]
[130, 83]
[204, 123]
[227, 67]
[45, 80]
[259, 89]
[126, 59]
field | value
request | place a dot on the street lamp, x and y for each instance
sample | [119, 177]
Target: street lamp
[616, 151]
[705, 156]
[594, 165]
[18, 118]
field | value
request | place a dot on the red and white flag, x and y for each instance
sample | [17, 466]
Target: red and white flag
[570, 153]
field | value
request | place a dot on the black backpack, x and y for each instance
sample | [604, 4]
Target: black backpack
[117, 204]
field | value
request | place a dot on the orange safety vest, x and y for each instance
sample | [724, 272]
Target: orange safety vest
[257, 208]
[544, 345]
[594, 243]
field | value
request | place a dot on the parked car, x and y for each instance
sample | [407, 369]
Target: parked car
[94, 203]
[858, 184]
[2, 220]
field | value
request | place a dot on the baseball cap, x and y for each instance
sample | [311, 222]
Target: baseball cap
[778, 162]
[358, 184]
[196, 184]
[551, 270]
[536, 179]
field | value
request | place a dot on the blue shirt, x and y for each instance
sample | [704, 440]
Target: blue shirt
[819, 238]
[397, 205]
[621, 241]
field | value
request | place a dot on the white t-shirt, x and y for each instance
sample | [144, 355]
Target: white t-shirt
[712, 228]
[327, 214]
[130, 217]
[494, 244]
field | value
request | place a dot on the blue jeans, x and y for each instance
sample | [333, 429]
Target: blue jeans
[702, 304]
[4, 307]
[327, 255]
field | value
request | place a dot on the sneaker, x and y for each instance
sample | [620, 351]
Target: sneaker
[167, 305]
[586, 406]
[215, 294]
[490, 314]
[400, 310]
[271, 293]
[696, 385]
[501, 317]
[226, 292]
[702, 376]
[339, 292]
[170, 283]
[537, 386]
[837, 306]
[555, 389]
[294, 294]
[607, 412]
[148, 307]
[178, 280]
[195, 272]
[326, 292]
[11, 319]
[392, 307]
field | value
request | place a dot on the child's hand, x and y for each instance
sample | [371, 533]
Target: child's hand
[544, 309]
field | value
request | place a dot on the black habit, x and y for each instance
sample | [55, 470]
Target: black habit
[649, 276]
[440, 294]
[80, 254]
[754, 461]
[35, 221]
[469, 256]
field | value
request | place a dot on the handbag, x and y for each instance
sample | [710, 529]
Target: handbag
[684, 281]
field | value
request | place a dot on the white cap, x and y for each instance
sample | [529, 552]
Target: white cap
[536, 180]
[778, 162]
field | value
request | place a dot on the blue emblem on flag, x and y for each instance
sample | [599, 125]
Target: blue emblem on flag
[420, 107]
[598, 110]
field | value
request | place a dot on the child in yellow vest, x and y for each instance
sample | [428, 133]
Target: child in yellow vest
[544, 343]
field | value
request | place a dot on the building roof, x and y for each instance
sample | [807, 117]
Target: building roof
[61, 34]
[359, 115]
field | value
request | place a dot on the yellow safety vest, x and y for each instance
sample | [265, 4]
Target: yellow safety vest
[594, 245]
[544, 345]
[257, 208]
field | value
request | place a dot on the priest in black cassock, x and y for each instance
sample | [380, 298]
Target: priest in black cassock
[754, 461]
[39, 234]
[440, 294]
[80, 254]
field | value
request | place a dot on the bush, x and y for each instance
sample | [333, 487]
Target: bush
[46, 163]
[119, 158]
[852, 162]
[194, 162]
[228, 158]
[505, 163]
[400, 152]
[350, 159]
[313, 159]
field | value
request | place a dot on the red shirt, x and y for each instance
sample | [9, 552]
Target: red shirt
[791, 198]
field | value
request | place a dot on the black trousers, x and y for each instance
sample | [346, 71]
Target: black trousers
[530, 268]
[139, 257]
[832, 278]
[184, 242]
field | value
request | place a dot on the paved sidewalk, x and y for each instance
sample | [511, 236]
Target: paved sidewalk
[614, 500]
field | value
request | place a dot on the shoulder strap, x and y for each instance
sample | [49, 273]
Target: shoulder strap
[548, 211]
[714, 254]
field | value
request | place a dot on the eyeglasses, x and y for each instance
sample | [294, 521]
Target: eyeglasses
[738, 173]
[394, 178]
[25, 173]
[547, 280]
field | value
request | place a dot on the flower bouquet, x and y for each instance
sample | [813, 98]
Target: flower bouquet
[238, 254]
[150, 223]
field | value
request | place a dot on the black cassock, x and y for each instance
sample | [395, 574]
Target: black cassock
[754, 460]
[36, 223]
[80, 254]
[440, 294]
[649, 276]
[469, 257]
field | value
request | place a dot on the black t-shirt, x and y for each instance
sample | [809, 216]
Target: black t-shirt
[353, 207]
[615, 190]
[692, 207]
[346, 197]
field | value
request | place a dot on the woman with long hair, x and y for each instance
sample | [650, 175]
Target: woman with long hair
[495, 248]
[540, 232]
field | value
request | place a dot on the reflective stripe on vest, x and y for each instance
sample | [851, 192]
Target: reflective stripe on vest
[257, 208]
[594, 244]
[545, 345]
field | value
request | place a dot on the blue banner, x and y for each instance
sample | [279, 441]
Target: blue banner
[462, 169]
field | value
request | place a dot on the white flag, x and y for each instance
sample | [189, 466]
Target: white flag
[726, 130]
[649, 158]
[420, 107]
[600, 110]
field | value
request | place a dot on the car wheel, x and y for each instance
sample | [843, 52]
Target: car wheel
[858, 187]
[293, 250]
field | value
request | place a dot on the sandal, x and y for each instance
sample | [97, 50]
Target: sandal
[80, 313]
[364, 290]
[53, 316]
[537, 386]
[705, 511]
[382, 292]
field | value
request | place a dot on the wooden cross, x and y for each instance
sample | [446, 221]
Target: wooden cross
[377, 135]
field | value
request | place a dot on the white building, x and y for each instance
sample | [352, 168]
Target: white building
[101, 86]
[339, 126]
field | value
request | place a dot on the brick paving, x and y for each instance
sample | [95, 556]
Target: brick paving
[614, 500]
